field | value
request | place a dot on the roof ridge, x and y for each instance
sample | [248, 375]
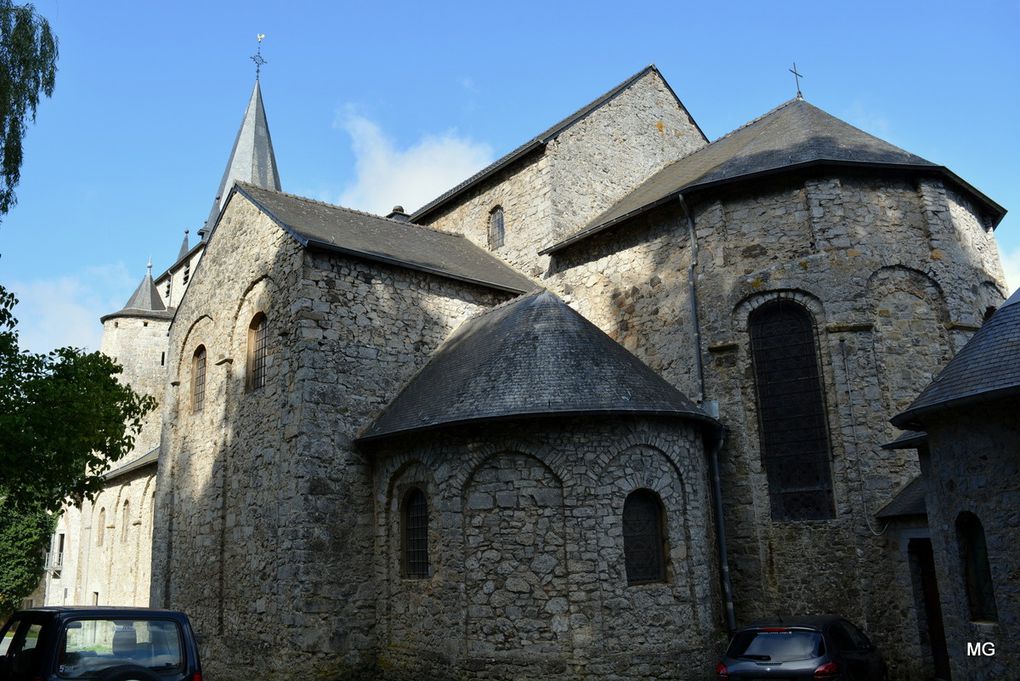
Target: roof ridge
[356, 211]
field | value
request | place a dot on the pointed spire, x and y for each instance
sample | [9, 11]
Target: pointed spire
[251, 160]
[185, 247]
[146, 297]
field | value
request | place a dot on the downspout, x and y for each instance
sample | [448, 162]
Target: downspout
[720, 523]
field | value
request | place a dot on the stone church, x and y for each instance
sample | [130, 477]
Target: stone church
[577, 417]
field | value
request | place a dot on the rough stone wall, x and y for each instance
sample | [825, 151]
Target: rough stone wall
[265, 507]
[972, 466]
[590, 166]
[878, 264]
[527, 576]
[602, 157]
[139, 345]
[108, 562]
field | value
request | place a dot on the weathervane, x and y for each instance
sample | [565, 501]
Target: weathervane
[797, 77]
[257, 57]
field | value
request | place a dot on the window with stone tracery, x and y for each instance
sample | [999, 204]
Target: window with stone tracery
[791, 411]
[644, 537]
[414, 531]
[256, 373]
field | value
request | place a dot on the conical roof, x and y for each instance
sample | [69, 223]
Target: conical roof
[185, 247]
[252, 159]
[144, 302]
[531, 357]
[795, 134]
[986, 368]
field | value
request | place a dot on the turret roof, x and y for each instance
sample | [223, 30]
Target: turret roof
[531, 357]
[144, 302]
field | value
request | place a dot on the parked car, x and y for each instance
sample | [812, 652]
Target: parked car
[825, 647]
[98, 643]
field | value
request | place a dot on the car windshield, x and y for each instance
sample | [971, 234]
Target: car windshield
[93, 645]
[776, 645]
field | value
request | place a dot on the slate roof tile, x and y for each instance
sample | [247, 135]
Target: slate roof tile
[531, 357]
[317, 224]
[909, 501]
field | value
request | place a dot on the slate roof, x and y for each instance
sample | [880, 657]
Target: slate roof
[796, 134]
[252, 158]
[540, 141]
[321, 225]
[909, 501]
[148, 459]
[531, 357]
[144, 302]
[985, 369]
[908, 439]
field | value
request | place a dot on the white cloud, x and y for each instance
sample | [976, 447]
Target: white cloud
[65, 310]
[388, 176]
[1011, 268]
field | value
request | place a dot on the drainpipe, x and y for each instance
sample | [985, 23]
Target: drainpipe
[720, 524]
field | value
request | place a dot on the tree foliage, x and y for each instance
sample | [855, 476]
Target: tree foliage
[28, 68]
[64, 417]
[23, 536]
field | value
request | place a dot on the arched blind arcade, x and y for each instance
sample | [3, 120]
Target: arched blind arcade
[977, 571]
[791, 412]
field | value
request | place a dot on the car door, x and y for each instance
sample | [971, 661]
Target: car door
[852, 658]
[19, 649]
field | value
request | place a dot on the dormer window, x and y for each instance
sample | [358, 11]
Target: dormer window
[496, 231]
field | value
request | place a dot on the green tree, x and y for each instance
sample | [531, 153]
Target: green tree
[23, 538]
[28, 68]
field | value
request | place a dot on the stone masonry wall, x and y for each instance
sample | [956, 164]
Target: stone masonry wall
[139, 345]
[527, 577]
[605, 155]
[880, 265]
[586, 169]
[265, 507]
[107, 546]
[972, 466]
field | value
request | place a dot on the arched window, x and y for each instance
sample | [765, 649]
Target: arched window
[256, 374]
[791, 411]
[414, 531]
[977, 572]
[101, 529]
[644, 537]
[496, 231]
[125, 521]
[198, 379]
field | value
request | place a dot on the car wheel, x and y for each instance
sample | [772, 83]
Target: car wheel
[127, 672]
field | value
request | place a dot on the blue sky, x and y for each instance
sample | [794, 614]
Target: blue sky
[372, 106]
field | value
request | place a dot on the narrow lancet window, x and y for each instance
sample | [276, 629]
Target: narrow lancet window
[496, 231]
[257, 352]
[644, 538]
[414, 520]
[977, 571]
[791, 412]
[198, 379]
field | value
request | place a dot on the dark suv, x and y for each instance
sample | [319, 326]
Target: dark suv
[826, 647]
[104, 644]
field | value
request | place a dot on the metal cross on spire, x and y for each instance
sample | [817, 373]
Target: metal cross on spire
[797, 77]
[257, 57]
